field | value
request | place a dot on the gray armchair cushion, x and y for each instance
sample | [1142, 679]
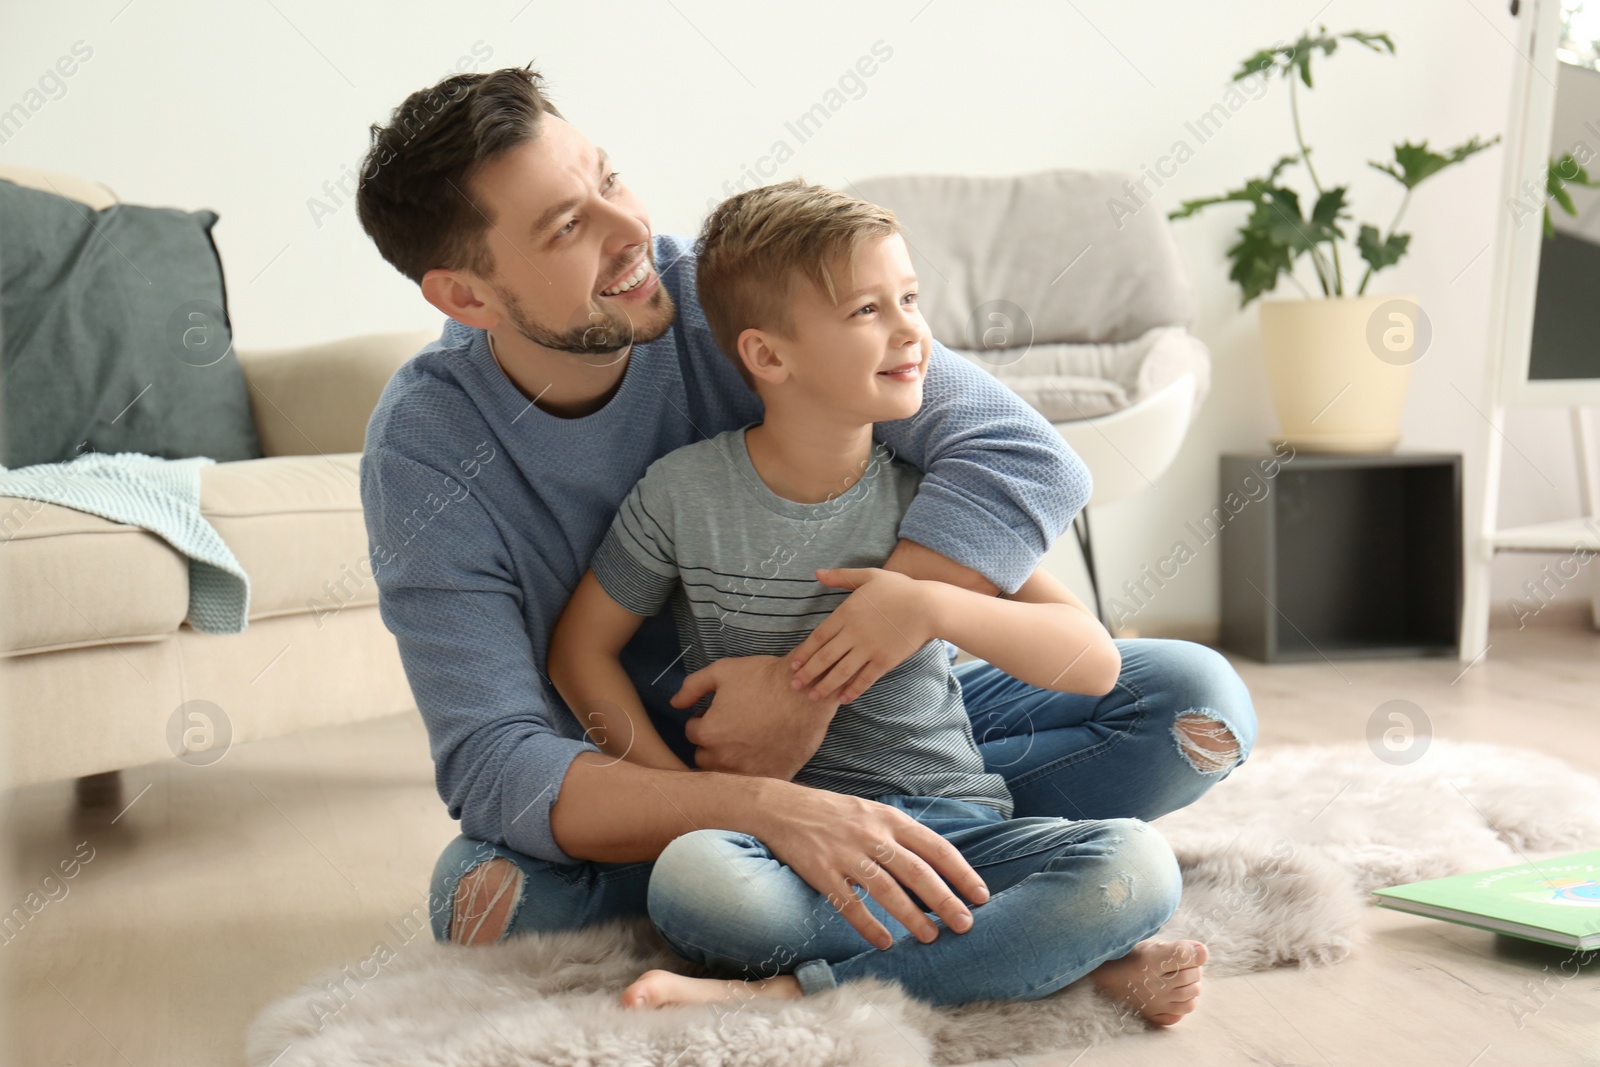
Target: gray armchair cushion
[1082, 381]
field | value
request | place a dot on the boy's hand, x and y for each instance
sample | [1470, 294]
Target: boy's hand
[877, 628]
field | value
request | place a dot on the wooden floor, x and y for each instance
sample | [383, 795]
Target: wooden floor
[221, 888]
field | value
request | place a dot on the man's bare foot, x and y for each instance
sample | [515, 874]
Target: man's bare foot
[1159, 978]
[655, 989]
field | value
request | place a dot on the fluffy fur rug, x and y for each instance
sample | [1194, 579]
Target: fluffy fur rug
[1277, 862]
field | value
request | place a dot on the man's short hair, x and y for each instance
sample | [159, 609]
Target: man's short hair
[412, 197]
[756, 244]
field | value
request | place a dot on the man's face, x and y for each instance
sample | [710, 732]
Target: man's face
[839, 353]
[574, 266]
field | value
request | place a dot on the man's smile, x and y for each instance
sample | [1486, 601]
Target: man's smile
[636, 282]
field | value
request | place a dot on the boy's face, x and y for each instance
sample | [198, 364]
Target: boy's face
[839, 354]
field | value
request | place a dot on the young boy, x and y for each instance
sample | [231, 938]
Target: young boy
[768, 540]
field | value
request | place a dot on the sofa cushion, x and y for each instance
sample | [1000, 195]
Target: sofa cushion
[74, 579]
[116, 334]
[293, 522]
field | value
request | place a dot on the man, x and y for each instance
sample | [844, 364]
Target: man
[576, 355]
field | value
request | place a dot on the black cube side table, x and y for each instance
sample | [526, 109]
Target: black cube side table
[1340, 555]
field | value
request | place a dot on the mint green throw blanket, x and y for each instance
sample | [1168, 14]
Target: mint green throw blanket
[160, 495]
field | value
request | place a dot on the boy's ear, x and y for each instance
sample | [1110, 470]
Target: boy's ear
[760, 357]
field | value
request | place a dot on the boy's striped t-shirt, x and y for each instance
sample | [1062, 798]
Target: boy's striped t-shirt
[736, 563]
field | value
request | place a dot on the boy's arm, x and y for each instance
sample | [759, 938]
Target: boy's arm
[585, 668]
[1041, 634]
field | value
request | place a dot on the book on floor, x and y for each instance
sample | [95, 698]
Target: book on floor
[1556, 901]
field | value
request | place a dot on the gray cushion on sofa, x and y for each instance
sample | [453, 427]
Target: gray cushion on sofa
[114, 334]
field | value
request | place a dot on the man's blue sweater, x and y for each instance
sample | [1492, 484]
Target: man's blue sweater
[483, 511]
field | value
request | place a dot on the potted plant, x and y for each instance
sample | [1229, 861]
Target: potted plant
[1338, 363]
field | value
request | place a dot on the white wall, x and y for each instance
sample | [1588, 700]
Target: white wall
[249, 108]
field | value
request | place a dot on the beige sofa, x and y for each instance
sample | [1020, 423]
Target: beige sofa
[96, 660]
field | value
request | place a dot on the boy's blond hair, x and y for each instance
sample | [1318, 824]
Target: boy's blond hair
[754, 242]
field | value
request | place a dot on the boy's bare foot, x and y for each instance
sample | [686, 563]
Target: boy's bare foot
[1159, 978]
[655, 989]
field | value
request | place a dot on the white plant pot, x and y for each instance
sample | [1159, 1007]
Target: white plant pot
[1339, 367]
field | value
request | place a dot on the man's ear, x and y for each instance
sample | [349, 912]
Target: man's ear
[456, 293]
[760, 357]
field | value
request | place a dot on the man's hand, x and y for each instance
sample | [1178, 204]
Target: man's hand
[756, 724]
[836, 841]
[877, 628]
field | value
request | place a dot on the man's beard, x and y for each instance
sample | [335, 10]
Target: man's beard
[608, 331]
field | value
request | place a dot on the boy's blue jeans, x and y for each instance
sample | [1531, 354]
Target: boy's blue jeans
[1075, 878]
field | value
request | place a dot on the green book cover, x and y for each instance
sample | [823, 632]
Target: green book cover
[1556, 901]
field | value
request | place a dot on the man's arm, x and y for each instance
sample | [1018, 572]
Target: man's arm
[449, 593]
[617, 812]
[1041, 634]
[505, 767]
[999, 485]
[585, 665]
